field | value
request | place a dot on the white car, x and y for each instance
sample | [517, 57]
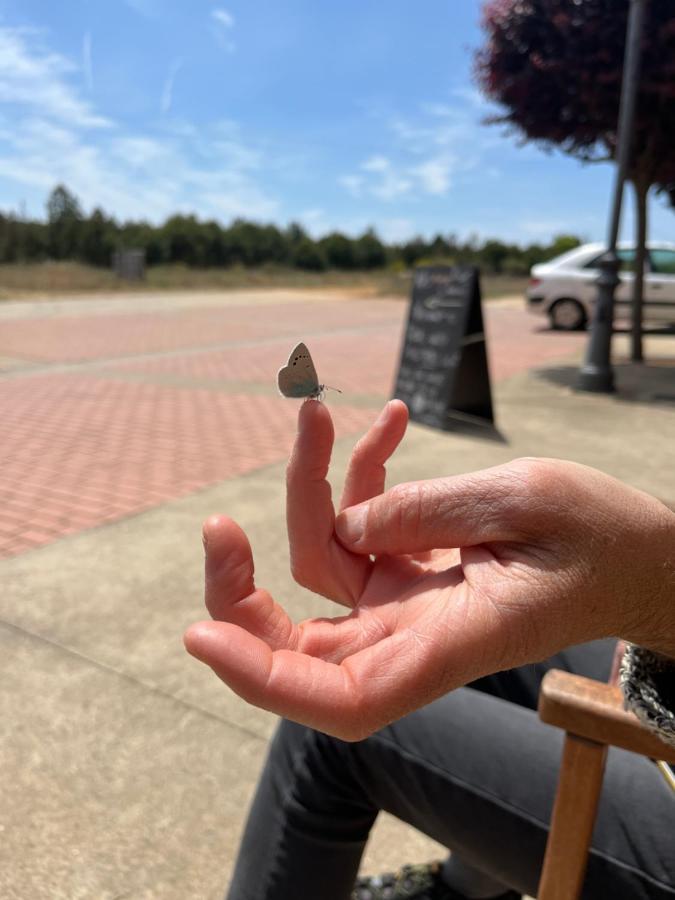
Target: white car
[565, 288]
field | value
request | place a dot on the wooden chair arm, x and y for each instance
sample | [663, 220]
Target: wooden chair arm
[594, 710]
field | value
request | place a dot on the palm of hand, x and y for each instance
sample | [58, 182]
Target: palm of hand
[401, 594]
[396, 650]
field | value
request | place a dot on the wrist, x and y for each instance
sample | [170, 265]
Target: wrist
[648, 607]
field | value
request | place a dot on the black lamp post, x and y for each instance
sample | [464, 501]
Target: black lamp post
[597, 374]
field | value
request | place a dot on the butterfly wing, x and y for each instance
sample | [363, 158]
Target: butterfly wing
[298, 377]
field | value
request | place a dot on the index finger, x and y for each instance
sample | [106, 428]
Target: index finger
[318, 562]
[310, 516]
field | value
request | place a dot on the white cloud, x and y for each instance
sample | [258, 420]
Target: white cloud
[35, 79]
[427, 153]
[139, 152]
[353, 183]
[434, 174]
[166, 100]
[226, 146]
[223, 17]
[389, 183]
[442, 110]
[223, 23]
[134, 176]
[376, 164]
[473, 97]
[51, 134]
[87, 65]
[149, 8]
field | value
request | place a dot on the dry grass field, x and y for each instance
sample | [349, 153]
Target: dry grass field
[37, 280]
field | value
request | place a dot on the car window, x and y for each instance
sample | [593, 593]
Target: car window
[593, 263]
[626, 261]
[662, 261]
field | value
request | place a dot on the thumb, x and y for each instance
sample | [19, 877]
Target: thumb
[441, 513]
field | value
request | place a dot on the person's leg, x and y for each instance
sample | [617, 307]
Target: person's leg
[474, 772]
[308, 824]
[521, 685]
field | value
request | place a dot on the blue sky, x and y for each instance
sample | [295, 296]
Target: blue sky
[337, 115]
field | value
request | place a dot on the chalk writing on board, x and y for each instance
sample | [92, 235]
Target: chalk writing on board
[443, 374]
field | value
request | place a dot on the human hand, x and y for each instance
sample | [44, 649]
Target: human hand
[470, 575]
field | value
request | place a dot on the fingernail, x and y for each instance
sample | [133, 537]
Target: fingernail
[206, 527]
[384, 415]
[351, 524]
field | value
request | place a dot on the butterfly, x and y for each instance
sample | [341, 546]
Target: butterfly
[298, 377]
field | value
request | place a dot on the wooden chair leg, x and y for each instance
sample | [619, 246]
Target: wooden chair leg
[576, 803]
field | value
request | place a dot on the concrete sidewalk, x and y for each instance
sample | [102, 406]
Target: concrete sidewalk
[125, 766]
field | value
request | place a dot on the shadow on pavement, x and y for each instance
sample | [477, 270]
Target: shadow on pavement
[472, 426]
[635, 382]
[663, 330]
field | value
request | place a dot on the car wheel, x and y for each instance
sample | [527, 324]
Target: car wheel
[567, 315]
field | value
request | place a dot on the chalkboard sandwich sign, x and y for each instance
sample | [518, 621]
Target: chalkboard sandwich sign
[443, 372]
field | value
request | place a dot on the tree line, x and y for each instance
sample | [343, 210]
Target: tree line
[69, 234]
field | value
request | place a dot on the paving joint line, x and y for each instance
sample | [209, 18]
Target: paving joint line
[126, 676]
[59, 368]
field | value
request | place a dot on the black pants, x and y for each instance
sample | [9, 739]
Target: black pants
[476, 771]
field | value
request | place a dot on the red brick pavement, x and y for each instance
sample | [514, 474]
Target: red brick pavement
[81, 448]
[90, 337]
[356, 363]
[365, 361]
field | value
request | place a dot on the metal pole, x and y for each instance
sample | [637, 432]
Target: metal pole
[597, 374]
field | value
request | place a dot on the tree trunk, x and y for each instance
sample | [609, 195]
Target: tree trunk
[641, 192]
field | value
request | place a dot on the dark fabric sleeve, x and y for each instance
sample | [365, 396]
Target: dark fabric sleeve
[648, 684]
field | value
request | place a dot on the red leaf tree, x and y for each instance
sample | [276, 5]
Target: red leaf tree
[555, 66]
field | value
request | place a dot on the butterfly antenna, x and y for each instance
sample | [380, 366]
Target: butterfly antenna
[329, 388]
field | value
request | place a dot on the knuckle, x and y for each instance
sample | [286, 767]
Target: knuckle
[360, 452]
[537, 478]
[359, 464]
[541, 489]
[356, 722]
[406, 508]
[291, 471]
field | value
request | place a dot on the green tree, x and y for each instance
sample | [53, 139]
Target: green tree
[295, 234]
[563, 243]
[184, 240]
[369, 251]
[338, 250]
[35, 243]
[64, 222]
[414, 250]
[98, 239]
[440, 248]
[494, 253]
[309, 256]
